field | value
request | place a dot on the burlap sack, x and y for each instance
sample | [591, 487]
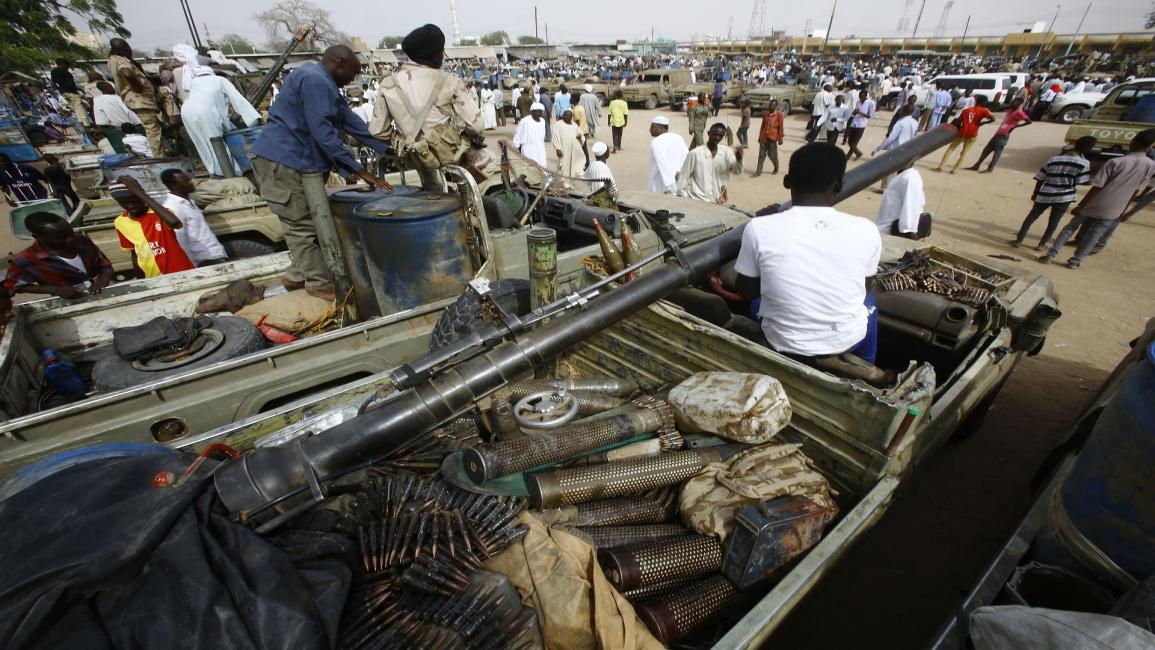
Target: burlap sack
[292, 312]
[212, 190]
[577, 608]
[744, 407]
[710, 500]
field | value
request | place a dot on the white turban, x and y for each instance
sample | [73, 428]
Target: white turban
[537, 106]
[187, 55]
[599, 149]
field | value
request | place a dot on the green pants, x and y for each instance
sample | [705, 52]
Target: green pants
[284, 189]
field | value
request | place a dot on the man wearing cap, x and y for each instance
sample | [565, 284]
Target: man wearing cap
[569, 143]
[598, 172]
[593, 108]
[529, 138]
[428, 114]
[137, 91]
[667, 153]
[299, 145]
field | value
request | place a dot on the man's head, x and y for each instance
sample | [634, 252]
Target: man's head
[618, 94]
[1017, 102]
[120, 46]
[342, 63]
[862, 95]
[659, 125]
[980, 100]
[815, 174]
[94, 75]
[773, 105]
[575, 97]
[715, 135]
[1143, 141]
[1085, 145]
[52, 231]
[177, 182]
[106, 88]
[425, 45]
[969, 92]
[567, 116]
[64, 64]
[601, 151]
[128, 128]
[132, 204]
[828, 87]
[701, 98]
[536, 110]
[838, 99]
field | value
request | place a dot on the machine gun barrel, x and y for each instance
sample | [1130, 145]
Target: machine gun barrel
[271, 473]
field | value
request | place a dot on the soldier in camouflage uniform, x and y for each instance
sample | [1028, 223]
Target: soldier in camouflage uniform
[698, 116]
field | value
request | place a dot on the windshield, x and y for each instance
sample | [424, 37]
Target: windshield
[651, 78]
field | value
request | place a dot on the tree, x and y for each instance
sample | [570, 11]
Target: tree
[1150, 19]
[287, 17]
[389, 42]
[495, 38]
[161, 53]
[235, 44]
[529, 40]
[35, 32]
[467, 42]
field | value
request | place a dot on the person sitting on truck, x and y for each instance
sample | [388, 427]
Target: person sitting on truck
[195, 236]
[147, 229]
[60, 262]
[811, 265]
[135, 140]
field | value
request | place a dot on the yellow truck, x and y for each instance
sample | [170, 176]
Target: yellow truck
[1116, 121]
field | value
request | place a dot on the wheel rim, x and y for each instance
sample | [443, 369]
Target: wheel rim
[1071, 114]
[207, 342]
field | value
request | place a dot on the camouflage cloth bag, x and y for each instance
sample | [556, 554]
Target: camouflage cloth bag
[710, 500]
[745, 407]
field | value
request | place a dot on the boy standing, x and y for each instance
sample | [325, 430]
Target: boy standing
[1055, 188]
[147, 228]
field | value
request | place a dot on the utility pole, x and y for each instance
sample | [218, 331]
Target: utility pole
[966, 28]
[535, 21]
[829, 25]
[1057, 8]
[918, 19]
[730, 30]
[806, 36]
[456, 31]
[547, 33]
[1078, 29]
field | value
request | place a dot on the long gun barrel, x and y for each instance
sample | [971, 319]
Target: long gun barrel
[271, 473]
[271, 76]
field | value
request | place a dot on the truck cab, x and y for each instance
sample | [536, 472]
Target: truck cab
[1119, 118]
[653, 88]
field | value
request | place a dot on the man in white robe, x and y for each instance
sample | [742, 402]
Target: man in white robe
[529, 138]
[488, 109]
[667, 153]
[902, 203]
[568, 143]
[205, 112]
[593, 108]
[706, 171]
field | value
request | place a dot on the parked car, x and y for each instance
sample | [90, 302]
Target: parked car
[1069, 107]
[996, 87]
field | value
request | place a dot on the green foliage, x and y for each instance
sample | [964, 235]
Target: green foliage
[495, 38]
[161, 53]
[529, 40]
[468, 42]
[36, 32]
[1150, 23]
[235, 44]
[389, 42]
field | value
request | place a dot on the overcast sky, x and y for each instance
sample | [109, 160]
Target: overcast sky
[160, 22]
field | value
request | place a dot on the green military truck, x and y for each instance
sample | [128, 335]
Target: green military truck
[654, 88]
[1112, 122]
[732, 93]
[789, 97]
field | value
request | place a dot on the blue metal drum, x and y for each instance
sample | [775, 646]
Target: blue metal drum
[1109, 496]
[411, 245]
[240, 144]
[342, 204]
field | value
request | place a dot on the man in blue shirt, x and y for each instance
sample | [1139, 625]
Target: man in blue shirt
[298, 147]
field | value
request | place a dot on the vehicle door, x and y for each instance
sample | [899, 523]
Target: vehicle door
[1117, 104]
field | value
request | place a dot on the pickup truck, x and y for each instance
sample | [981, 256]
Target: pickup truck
[864, 439]
[199, 399]
[732, 93]
[652, 88]
[1112, 121]
[789, 97]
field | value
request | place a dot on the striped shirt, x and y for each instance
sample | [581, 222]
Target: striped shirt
[1060, 175]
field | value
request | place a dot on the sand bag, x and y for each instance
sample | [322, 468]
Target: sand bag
[234, 297]
[293, 312]
[745, 407]
[557, 573]
[710, 500]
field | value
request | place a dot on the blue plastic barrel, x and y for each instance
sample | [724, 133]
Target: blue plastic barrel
[411, 245]
[1109, 495]
[240, 144]
[342, 204]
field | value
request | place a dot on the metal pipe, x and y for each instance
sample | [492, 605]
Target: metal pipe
[270, 473]
[271, 76]
[224, 158]
[327, 238]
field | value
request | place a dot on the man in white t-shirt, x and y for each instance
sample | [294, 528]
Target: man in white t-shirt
[195, 237]
[900, 212]
[811, 264]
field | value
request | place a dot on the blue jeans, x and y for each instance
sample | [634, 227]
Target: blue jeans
[1092, 232]
[867, 348]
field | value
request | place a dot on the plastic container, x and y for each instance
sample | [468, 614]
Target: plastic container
[26, 476]
[1109, 498]
[240, 144]
[64, 378]
[342, 204]
[411, 248]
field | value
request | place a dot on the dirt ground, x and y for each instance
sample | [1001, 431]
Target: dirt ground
[907, 574]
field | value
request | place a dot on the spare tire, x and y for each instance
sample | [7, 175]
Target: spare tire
[465, 315]
[240, 337]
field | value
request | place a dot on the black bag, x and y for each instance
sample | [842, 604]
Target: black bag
[158, 336]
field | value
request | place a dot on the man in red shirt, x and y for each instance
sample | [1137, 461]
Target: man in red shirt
[1015, 118]
[968, 123]
[147, 228]
[770, 136]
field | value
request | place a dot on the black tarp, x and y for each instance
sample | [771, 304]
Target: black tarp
[95, 556]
